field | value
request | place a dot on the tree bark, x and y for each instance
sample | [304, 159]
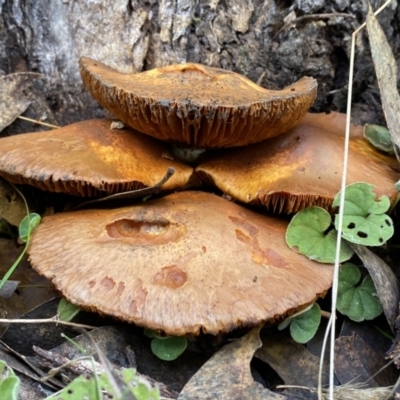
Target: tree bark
[272, 42]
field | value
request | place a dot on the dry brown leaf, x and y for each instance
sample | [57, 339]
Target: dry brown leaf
[384, 279]
[386, 72]
[357, 362]
[13, 101]
[360, 353]
[227, 374]
[12, 207]
[292, 362]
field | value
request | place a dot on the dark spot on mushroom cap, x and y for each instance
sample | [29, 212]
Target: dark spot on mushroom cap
[171, 277]
[107, 283]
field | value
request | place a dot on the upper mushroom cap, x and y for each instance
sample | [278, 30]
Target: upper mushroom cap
[187, 262]
[88, 158]
[298, 169]
[197, 105]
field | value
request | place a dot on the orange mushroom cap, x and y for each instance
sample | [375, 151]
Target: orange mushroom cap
[87, 159]
[197, 105]
[184, 263]
[298, 169]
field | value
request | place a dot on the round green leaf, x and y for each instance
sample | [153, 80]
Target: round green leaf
[27, 225]
[379, 137]
[359, 303]
[304, 326]
[306, 232]
[168, 348]
[364, 221]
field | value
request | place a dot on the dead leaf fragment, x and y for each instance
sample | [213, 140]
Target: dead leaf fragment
[386, 72]
[12, 207]
[227, 374]
[357, 362]
[384, 279]
[13, 102]
[287, 358]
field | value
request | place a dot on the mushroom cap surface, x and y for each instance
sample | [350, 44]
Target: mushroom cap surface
[88, 159]
[298, 169]
[196, 105]
[184, 263]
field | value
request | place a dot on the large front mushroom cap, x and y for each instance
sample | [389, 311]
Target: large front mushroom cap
[88, 158]
[187, 262]
[197, 105]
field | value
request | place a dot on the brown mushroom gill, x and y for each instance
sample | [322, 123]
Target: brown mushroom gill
[197, 105]
[184, 263]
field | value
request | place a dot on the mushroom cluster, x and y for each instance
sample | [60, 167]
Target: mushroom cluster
[189, 261]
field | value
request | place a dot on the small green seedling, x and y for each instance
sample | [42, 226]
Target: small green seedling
[364, 218]
[307, 233]
[379, 137]
[303, 325]
[167, 348]
[100, 388]
[9, 382]
[360, 302]
[25, 229]
[66, 311]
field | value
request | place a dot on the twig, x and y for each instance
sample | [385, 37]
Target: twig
[312, 17]
[53, 320]
[38, 122]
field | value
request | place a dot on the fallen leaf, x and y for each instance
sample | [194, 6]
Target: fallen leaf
[12, 207]
[13, 101]
[357, 362]
[384, 279]
[227, 374]
[292, 362]
[386, 72]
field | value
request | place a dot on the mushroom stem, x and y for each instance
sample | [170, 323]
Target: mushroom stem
[186, 154]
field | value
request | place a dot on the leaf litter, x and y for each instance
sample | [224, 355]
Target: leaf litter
[13, 101]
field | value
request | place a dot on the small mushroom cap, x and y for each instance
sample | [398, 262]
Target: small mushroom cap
[88, 159]
[184, 263]
[298, 169]
[197, 105]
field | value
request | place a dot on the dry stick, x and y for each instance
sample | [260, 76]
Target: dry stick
[53, 320]
[332, 320]
[35, 121]
[38, 122]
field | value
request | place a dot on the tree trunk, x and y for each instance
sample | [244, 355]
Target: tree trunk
[272, 42]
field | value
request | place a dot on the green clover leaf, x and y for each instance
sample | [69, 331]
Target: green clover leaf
[168, 348]
[364, 219]
[304, 326]
[359, 303]
[306, 232]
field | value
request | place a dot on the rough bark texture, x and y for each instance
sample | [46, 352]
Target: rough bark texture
[252, 37]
